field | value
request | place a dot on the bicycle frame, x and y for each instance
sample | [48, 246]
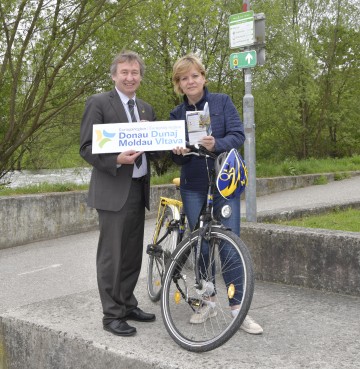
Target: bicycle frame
[176, 206]
[178, 222]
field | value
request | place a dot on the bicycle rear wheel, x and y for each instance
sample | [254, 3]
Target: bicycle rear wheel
[180, 299]
[166, 239]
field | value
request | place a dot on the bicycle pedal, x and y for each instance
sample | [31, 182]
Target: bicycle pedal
[154, 250]
[195, 302]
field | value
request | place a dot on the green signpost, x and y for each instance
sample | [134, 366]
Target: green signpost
[247, 30]
[246, 59]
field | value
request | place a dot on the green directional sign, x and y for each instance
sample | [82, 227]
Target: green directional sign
[246, 59]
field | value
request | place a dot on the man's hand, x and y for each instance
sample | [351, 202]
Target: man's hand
[128, 157]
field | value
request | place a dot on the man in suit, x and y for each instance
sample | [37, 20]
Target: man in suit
[119, 191]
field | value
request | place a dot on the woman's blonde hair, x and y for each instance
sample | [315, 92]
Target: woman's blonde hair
[183, 65]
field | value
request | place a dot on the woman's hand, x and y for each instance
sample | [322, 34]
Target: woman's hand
[180, 150]
[208, 142]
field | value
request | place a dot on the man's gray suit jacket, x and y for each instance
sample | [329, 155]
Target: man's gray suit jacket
[109, 185]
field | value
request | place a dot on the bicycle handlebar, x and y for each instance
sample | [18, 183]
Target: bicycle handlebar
[201, 150]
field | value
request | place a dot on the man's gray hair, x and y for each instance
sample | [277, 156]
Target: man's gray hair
[127, 56]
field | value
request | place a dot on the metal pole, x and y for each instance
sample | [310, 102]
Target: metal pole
[249, 147]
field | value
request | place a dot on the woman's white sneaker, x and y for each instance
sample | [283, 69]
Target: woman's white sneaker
[250, 326]
[203, 314]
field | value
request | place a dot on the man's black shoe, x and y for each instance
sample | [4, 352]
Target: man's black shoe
[120, 328]
[140, 316]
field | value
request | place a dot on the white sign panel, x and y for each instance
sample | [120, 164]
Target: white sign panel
[140, 136]
[241, 29]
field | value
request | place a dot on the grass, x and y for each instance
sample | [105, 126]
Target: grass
[292, 167]
[42, 188]
[320, 180]
[342, 220]
[166, 178]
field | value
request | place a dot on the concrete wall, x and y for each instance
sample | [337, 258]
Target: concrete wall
[313, 258]
[30, 218]
[33, 346]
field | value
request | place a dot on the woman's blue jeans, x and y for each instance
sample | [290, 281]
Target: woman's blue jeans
[193, 203]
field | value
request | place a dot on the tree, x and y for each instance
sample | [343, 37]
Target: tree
[337, 47]
[56, 53]
[305, 96]
[51, 56]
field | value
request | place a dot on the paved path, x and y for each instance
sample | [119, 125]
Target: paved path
[337, 192]
[52, 284]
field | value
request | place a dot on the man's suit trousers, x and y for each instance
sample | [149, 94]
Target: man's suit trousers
[119, 254]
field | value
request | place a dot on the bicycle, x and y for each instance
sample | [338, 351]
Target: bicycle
[186, 271]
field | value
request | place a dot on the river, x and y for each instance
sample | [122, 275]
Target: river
[32, 177]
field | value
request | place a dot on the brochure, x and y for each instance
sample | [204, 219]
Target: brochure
[198, 124]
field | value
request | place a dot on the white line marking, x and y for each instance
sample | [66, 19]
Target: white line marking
[39, 270]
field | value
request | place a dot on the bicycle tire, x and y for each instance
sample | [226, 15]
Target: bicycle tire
[176, 311]
[157, 263]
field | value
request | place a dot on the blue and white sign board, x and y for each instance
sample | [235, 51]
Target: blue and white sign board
[139, 136]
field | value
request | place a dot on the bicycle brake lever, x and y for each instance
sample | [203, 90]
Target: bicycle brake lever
[205, 152]
[191, 147]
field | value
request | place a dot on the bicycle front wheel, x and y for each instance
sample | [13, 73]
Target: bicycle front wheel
[200, 319]
[166, 238]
